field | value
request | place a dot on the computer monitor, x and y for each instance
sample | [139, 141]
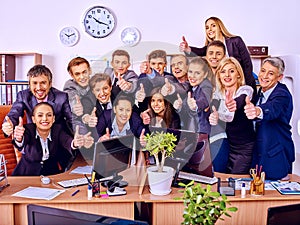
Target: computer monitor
[190, 155]
[111, 157]
[282, 215]
[42, 215]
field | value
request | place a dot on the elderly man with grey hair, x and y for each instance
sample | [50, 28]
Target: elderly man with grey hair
[272, 112]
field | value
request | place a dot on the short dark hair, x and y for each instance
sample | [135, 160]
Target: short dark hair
[217, 43]
[158, 54]
[98, 77]
[77, 61]
[39, 70]
[120, 52]
[42, 103]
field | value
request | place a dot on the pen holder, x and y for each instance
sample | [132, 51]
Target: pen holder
[257, 186]
[96, 188]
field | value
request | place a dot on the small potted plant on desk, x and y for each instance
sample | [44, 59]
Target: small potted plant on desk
[161, 145]
[202, 205]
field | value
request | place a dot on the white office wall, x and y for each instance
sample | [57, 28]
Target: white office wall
[34, 25]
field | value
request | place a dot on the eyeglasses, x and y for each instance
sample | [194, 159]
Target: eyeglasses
[180, 63]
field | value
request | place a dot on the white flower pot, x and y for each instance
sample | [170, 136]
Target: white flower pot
[160, 183]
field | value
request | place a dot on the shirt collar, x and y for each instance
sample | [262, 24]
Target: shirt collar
[268, 92]
[116, 131]
[37, 135]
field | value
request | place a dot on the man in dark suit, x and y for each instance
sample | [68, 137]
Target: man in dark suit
[272, 114]
[40, 90]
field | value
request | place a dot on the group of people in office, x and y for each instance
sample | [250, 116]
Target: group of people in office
[211, 91]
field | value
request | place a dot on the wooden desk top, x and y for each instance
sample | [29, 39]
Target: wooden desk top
[132, 175]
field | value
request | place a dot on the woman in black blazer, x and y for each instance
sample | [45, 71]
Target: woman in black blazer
[216, 30]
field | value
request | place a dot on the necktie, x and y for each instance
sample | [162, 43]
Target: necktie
[104, 106]
[261, 97]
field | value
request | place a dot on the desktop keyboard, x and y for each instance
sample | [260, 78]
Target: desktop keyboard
[197, 178]
[73, 182]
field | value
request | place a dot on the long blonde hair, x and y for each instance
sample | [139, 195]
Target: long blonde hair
[225, 61]
[222, 28]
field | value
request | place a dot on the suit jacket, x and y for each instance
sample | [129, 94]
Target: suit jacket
[26, 101]
[60, 153]
[237, 49]
[106, 119]
[275, 149]
[129, 76]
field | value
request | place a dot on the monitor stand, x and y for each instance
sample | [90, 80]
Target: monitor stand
[177, 180]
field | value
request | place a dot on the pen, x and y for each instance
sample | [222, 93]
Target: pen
[75, 192]
[88, 179]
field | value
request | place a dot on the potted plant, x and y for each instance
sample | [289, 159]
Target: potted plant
[161, 145]
[202, 205]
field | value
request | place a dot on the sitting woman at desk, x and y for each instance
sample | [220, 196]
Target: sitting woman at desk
[46, 148]
[120, 120]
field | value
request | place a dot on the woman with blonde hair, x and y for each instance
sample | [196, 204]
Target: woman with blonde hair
[235, 46]
[228, 106]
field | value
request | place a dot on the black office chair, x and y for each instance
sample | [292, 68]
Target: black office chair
[283, 215]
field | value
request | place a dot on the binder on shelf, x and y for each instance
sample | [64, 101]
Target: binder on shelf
[8, 65]
[13, 93]
[8, 94]
[3, 94]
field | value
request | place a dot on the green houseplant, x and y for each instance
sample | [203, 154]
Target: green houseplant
[202, 205]
[161, 145]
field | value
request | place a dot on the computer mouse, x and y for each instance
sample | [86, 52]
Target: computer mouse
[45, 180]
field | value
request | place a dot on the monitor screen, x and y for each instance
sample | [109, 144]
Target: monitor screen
[282, 215]
[112, 156]
[190, 155]
[42, 215]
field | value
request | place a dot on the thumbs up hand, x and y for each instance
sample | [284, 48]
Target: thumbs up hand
[7, 126]
[140, 95]
[146, 117]
[142, 138]
[93, 119]
[123, 84]
[88, 140]
[177, 103]
[78, 140]
[184, 46]
[77, 107]
[167, 88]
[106, 136]
[191, 102]
[19, 131]
[250, 109]
[230, 102]
[145, 67]
[214, 116]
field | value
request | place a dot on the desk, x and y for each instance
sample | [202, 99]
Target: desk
[165, 210]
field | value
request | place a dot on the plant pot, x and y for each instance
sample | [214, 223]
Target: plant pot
[160, 182]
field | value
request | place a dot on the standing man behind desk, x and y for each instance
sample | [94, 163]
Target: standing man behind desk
[40, 90]
[272, 114]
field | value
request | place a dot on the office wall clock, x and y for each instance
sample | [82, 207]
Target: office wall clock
[69, 36]
[99, 21]
[130, 36]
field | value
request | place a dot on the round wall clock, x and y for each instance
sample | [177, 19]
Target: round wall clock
[69, 36]
[99, 21]
[130, 36]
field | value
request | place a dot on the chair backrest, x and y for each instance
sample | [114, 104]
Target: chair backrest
[6, 146]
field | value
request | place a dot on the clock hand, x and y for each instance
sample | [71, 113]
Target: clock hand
[99, 21]
[71, 34]
[67, 35]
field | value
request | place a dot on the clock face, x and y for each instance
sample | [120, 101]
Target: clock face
[69, 36]
[130, 36]
[99, 21]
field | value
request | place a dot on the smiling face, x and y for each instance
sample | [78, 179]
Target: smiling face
[229, 76]
[157, 104]
[120, 64]
[214, 55]
[212, 29]
[196, 74]
[39, 86]
[43, 117]
[102, 91]
[158, 64]
[268, 76]
[81, 74]
[123, 111]
[179, 67]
